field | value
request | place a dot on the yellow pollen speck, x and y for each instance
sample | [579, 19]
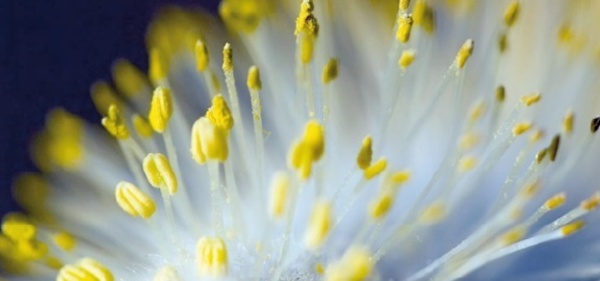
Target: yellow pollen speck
[555, 201]
[365, 154]
[500, 93]
[254, 83]
[64, 240]
[512, 13]
[356, 265]
[103, 96]
[521, 128]
[18, 230]
[133, 201]
[514, 235]
[114, 123]
[405, 23]
[159, 173]
[381, 206]
[211, 257]
[142, 126]
[467, 163]
[219, 114]
[434, 213]
[159, 68]
[161, 109]
[209, 142]
[330, 71]
[572, 228]
[568, 122]
[469, 140]
[406, 58]
[227, 58]
[531, 99]
[375, 169]
[319, 225]
[280, 189]
[202, 57]
[84, 270]
[128, 79]
[591, 203]
[464, 53]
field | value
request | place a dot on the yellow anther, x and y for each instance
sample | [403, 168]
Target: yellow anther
[553, 148]
[539, 157]
[300, 158]
[555, 201]
[591, 203]
[434, 213]
[400, 177]
[512, 13]
[61, 142]
[365, 155]
[406, 58]
[219, 114]
[306, 22]
[531, 99]
[319, 269]
[469, 140]
[307, 49]
[381, 206]
[319, 225]
[128, 79]
[568, 122]
[254, 83]
[53, 262]
[103, 96]
[424, 16]
[314, 138]
[467, 163]
[531, 189]
[202, 58]
[211, 256]
[227, 58]
[159, 67]
[476, 111]
[330, 71]
[405, 23]
[85, 269]
[208, 142]
[500, 93]
[159, 173]
[521, 128]
[243, 16]
[403, 5]
[503, 42]
[18, 230]
[31, 250]
[133, 201]
[142, 126]
[166, 273]
[356, 265]
[114, 123]
[375, 169]
[161, 109]
[572, 228]
[280, 189]
[464, 53]
[215, 81]
[536, 136]
[64, 240]
[31, 191]
[514, 235]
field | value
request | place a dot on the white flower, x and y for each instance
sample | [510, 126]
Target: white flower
[432, 140]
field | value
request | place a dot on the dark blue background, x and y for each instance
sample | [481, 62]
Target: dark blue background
[50, 53]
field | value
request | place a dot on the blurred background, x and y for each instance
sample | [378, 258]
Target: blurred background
[51, 51]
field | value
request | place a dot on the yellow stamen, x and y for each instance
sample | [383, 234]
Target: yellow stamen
[513, 236]
[400, 177]
[84, 270]
[244, 16]
[521, 128]
[103, 96]
[434, 213]
[512, 13]
[307, 30]
[500, 93]
[211, 257]
[572, 228]
[208, 142]
[114, 123]
[159, 173]
[381, 206]
[424, 16]
[219, 114]
[319, 225]
[553, 148]
[202, 57]
[142, 126]
[536, 136]
[467, 163]
[555, 201]
[365, 155]
[227, 58]
[356, 265]
[476, 111]
[405, 23]
[406, 58]
[469, 140]
[531, 99]
[159, 68]
[254, 83]
[568, 122]
[375, 169]
[18, 230]
[161, 109]
[65, 241]
[128, 79]
[330, 71]
[503, 43]
[133, 201]
[591, 203]
[464, 53]
[280, 188]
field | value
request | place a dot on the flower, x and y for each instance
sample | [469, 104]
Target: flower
[391, 147]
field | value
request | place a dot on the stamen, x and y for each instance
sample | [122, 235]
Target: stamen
[133, 201]
[159, 68]
[18, 230]
[405, 23]
[568, 122]
[129, 80]
[85, 269]
[209, 142]
[424, 16]
[142, 126]
[531, 99]
[381, 206]
[512, 13]
[219, 114]
[319, 225]
[521, 128]
[330, 71]
[202, 57]
[64, 241]
[114, 123]
[406, 58]
[254, 86]
[365, 155]
[104, 96]
[500, 93]
[464, 53]
[159, 173]
[280, 189]
[161, 109]
[553, 148]
[211, 257]
[595, 124]
[375, 169]
[356, 265]
[571, 228]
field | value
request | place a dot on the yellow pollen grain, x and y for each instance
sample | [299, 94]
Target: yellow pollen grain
[469, 140]
[568, 122]
[314, 138]
[405, 23]
[133, 201]
[375, 169]
[555, 201]
[572, 228]
[161, 109]
[464, 53]
[159, 66]
[254, 83]
[84, 270]
[467, 163]
[319, 225]
[159, 173]
[330, 71]
[219, 114]
[512, 13]
[202, 57]
[406, 58]
[381, 206]
[142, 126]
[513, 236]
[356, 265]
[365, 155]
[521, 128]
[306, 23]
[531, 99]
[114, 123]
[591, 203]
[128, 79]
[433, 213]
[227, 58]
[300, 158]
[64, 241]
[103, 96]
[280, 189]
[211, 257]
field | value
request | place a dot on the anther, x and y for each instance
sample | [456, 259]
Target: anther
[330, 71]
[319, 225]
[464, 53]
[133, 201]
[159, 68]
[555, 201]
[531, 99]
[227, 58]
[211, 257]
[572, 228]
[219, 114]
[142, 126]
[114, 123]
[406, 58]
[64, 241]
[365, 155]
[103, 96]
[159, 172]
[553, 148]
[128, 79]
[254, 83]
[568, 122]
[521, 128]
[85, 269]
[381, 206]
[161, 109]
[595, 124]
[512, 13]
[405, 23]
[356, 265]
[280, 188]
[375, 169]
[500, 93]
[202, 58]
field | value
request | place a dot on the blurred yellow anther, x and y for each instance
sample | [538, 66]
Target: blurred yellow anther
[381, 206]
[424, 16]
[208, 142]
[464, 53]
[314, 138]
[503, 42]
[553, 148]
[356, 265]
[434, 213]
[31, 191]
[202, 58]
[133, 201]
[568, 122]
[476, 111]
[536, 136]
[280, 189]
[18, 230]
[521, 128]
[242, 15]
[142, 126]
[196, 142]
[306, 22]
[555, 201]
[114, 123]
[406, 58]
[166, 273]
[64, 241]
[403, 5]
[52, 262]
[531, 99]
[219, 114]
[375, 169]
[254, 83]
[103, 96]
[405, 23]
[85, 269]
[158, 66]
[591, 203]
[530, 189]
[512, 13]
[467, 163]
[513, 236]
[539, 157]
[319, 269]
[159, 173]
[469, 140]
[161, 109]
[400, 177]
[211, 257]
[307, 49]
[300, 158]
[572, 228]
[500, 93]
[319, 225]
[330, 71]
[365, 155]
[227, 58]
[128, 79]
[60, 143]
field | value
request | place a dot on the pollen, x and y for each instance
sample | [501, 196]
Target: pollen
[219, 114]
[242, 15]
[114, 123]
[319, 225]
[211, 257]
[254, 83]
[280, 189]
[133, 201]
[85, 269]
[521, 128]
[159, 173]
[405, 23]
[375, 169]
[161, 109]
[464, 53]
[406, 58]
[365, 154]
[531, 99]
[330, 71]
[202, 57]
